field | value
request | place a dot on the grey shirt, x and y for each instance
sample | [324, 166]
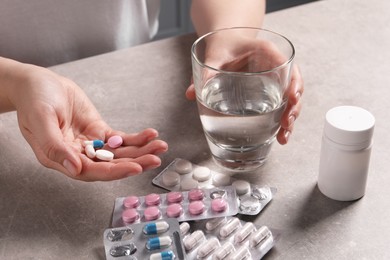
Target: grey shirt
[49, 32]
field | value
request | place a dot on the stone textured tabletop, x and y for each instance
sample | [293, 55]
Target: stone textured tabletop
[343, 52]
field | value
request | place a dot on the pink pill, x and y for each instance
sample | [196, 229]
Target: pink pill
[196, 207]
[115, 141]
[174, 210]
[195, 194]
[152, 199]
[131, 202]
[151, 213]
[130, 216]
[174, 197]
[218, 205]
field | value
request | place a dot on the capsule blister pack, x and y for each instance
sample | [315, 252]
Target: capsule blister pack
[195, 204]
[181, 174]
[227, 238]
[157, 240]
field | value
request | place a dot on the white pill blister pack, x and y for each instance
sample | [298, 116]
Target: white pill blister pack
[227, 238]
[195, 204]
[156, 240]
[181, 174]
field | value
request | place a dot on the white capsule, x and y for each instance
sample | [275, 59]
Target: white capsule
[242, 187]
[207, 247]
[241, 254]
[214, 223]
[166, 255]
[265, 244]
[223, 251]
[104, 155]
[201, 174]
[90, 151]
[184, 228]
[88, 142]
[230, 227]
[244, 232]
[193, 240]
[261, 234]
[153, 228]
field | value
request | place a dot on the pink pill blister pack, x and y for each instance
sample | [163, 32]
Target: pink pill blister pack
[195, 204]
[181, 174]
[227, 238]
[154, 240]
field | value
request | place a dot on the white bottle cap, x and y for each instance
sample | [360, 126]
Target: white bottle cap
[349, 125]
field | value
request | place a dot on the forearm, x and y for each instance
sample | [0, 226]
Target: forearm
[9, 71]
[209, 15]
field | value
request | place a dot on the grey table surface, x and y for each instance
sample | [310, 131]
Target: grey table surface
[343, 52]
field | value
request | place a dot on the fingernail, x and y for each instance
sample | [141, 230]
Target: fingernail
[291, 120]
[298, 95]
[287, 135]
[70, 167]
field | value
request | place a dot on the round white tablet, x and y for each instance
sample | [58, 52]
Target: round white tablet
[183, 166]
[188, 184]
[201, 174]
[170, 178]
[220, 179]
[242, 187]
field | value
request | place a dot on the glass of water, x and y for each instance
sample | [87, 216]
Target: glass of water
[241, 76]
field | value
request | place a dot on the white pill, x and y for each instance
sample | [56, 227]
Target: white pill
[230, 227]
[193, 240]
[90, 151]
[261, 234]
[201, 174]
[183, 166]
[207, 247]
[242, 187]
[214, 223]
[188, 184]
[244, 232]
[170, 178]
[223, 251]
[221, 179]
[184, 228]
[104, 155]
[88, 142]
[241, 254]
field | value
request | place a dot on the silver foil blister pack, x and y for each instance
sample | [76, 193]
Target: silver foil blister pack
[181, 174]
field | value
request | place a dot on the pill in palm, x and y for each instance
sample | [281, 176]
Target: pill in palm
[97, 144]
[115, 141]
[90, 151]
[104, 155]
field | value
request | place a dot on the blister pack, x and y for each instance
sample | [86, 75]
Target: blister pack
[181, 174]
[195, 204]
[226, 238]
[157, 240]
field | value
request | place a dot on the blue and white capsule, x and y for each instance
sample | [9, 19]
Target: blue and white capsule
[156, 228]
[165, 255]
[158, 242]
[97, 144]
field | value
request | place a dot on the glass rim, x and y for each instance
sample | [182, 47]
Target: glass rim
[202, 64]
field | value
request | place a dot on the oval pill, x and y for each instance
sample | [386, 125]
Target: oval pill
[155, 228]
[152, 199]
[151, 213]
[258, 236]
[104, 155]
[90, 151]
[242, 187]
[174, 210]
[184, 228]
[241, 254]
[170, 178]
[193, 240]
[219, 205]
[131, 202]
[183, 166]
[223, 251]
[214, 223]
[201, 174]
[244, 232]
[230, 227]
[130, 216]
[158, 242]
[115, 141]
[165, 255]
[207, 247]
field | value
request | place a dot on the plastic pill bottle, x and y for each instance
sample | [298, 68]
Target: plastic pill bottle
[345, 153]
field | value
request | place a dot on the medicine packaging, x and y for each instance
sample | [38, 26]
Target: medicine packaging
[227, 238]
[156, 240]
[195, 204]
[182, 175]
